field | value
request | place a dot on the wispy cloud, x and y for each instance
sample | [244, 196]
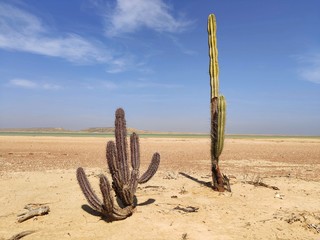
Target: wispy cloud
[28, 84]
[311, 69]
[22, 31]
[142, 83]
[109, 85]
[130, 84]
[128, 62]
[131, 15]
[23, 83]
[181, 47]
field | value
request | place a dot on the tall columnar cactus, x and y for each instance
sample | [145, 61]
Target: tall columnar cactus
[124, 182]
[218, 107]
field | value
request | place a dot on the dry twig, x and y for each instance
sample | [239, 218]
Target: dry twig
[188, 209]
[34, 210]
[21, 235]
[258, 181]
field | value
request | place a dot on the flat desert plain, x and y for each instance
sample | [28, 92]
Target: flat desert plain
[177, 203]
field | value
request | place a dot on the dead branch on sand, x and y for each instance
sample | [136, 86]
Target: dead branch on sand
[258, 181]
[33, 210]
[21, 235]
[188, 209]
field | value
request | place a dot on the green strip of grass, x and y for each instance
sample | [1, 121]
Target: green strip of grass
[154, 135]
[82, 134]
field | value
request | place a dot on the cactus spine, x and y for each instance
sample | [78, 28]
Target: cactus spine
[124, 182]
[218, 107]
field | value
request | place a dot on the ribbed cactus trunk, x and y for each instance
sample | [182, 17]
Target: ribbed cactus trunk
[218, 107]
[125, 183]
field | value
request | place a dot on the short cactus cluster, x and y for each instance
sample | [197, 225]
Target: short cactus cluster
[124, 182]
[218, 108]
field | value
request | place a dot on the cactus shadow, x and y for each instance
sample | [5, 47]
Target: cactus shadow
[90, 210]
[135, 202]
[95, 213]
[203, 183]
[149, 201]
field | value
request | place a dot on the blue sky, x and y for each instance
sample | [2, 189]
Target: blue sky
[71, 63]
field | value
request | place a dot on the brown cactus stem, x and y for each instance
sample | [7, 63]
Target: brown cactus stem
[105, 189]
[152, 169]
[135, 151]
[121, 143]
[121, 187]
[110, 210]
[111, 158]
[214, 127]
[113, 166]
[135, 161]
[217, 178]
[86, 188]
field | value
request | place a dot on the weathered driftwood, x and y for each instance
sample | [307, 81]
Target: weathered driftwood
[21, 235]
[33, 210]
[258, 181]
[188, 209]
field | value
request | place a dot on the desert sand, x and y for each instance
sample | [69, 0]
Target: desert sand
[177, 203]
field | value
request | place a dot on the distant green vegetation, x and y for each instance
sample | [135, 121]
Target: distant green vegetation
[88, 134]
[249, 136]
[147, 135]
[56, 134]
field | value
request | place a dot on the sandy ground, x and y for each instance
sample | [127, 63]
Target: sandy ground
[42, 170]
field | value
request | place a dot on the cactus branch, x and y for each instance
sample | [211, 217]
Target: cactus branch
[112, 211]
[121, 144]
[152, 169]
[135, 161]
[221, 123]
[89, 194]
[107, 208]
[135, 151]
[105, 189]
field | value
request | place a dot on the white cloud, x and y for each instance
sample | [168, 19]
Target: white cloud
[28, 84]
[130, 15]
[49, 86]
[127, 62]
[118, 66]
[129, 84]
[23, 83]
[151, 84]
[311, 70]
[312, 74]
[22, 31]
[109, 85]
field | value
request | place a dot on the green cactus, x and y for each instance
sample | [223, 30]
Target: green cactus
[218, 108]
[221, 123]
[213, 54]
